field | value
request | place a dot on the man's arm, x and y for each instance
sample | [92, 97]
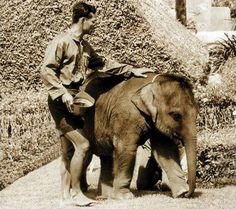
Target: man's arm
[96, 61]
[50, 68]
[114, 68]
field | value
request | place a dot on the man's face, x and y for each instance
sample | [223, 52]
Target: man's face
[88, 23]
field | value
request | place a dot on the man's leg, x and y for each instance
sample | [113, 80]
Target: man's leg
[83, 179]
[81, 146]
[67, 124]
[66, 147]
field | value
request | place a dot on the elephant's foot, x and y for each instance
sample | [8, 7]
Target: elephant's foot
[83, 183]
[101, 197]
[180, 191]
[177, 184]
[84, 186]
[122, 194]
[105, 190]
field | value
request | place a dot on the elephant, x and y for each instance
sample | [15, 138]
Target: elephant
[126, 114]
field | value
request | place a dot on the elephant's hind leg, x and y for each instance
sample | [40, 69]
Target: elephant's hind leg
[106, 177]
[124, 160]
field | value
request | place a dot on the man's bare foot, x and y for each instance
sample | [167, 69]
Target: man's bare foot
[81, 200]
[65, 203]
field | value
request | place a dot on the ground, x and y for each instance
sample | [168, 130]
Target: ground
[40, 189]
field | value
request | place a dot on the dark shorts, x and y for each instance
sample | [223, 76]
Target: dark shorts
[64, 120]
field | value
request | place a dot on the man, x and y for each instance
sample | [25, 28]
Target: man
[68, 61]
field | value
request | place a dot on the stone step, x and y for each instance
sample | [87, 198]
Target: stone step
[210, 37]
[199, 12]
[220, 19]
[208, 18]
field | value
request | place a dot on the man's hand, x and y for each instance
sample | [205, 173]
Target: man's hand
[68, 100]
[140, 72]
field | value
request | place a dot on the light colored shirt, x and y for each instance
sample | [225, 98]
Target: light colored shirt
[69, 60]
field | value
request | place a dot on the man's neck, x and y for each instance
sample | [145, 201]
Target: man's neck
[76, 32]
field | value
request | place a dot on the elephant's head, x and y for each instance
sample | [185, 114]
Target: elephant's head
[169, 102]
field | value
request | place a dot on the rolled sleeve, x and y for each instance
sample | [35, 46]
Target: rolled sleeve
[50, 68]
[113, 67]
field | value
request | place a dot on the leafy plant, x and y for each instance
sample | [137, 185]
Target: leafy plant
[229, 46]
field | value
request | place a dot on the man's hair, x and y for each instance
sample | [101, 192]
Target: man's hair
[81, 9]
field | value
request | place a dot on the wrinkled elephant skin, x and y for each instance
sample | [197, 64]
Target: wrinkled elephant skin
[127, 113]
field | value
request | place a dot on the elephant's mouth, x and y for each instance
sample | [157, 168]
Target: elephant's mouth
[174, 136]
[177, 139]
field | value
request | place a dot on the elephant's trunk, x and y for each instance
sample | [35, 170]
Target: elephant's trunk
[190, 148]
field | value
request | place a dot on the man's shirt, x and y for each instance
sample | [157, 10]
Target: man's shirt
[69, 60]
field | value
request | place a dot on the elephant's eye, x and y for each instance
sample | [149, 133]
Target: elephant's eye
[176, 116]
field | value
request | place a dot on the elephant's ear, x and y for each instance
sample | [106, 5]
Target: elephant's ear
[143, 99]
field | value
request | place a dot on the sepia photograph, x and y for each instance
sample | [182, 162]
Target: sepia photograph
[118, 104]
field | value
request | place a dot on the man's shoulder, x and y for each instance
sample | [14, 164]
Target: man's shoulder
[62, 38]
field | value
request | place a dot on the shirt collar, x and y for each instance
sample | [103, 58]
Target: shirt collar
[74, 37]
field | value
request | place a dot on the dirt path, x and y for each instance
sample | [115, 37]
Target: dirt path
[40, 189]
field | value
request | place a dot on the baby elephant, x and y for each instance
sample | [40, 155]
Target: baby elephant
[128, 113]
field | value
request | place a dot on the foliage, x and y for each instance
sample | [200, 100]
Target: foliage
[224, 3]
[215, 116]
[28, 137]
[222, 60]
[216, 165]
[229, 46]
[221, 52]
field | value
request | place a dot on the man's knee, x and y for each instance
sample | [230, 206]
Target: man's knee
[85, 146]
[82, 148]
[81, 144]
[67, 149]
[81, 152]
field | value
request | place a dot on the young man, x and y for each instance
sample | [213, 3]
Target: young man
[68, 61]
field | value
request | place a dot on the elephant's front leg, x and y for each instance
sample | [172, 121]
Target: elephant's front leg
[124, 160]
[167, 155]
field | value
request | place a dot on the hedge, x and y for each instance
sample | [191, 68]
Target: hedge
[28, 138]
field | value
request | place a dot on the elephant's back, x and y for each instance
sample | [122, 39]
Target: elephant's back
[110, 85]
[112, 103]
[120, 93]
[131, 85]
